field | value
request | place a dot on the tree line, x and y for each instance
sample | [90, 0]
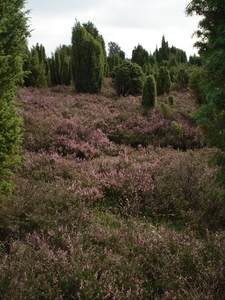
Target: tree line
[75, 63]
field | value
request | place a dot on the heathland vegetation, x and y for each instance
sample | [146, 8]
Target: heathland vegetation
[117, 167]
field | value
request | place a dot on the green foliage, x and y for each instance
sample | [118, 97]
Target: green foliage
[113, 61]
[163, 54]
[171, 99]
[114, 49]
[211, 45]
[180, 55]
[93, 31]
[36, 67]
[60, 66]
[166, 110]
[177, 127]
[140, 56]
[149, 94]
[127, 79]
[196, 79]
[88, 59]
[181, 77]
[163, 81]
[115, 56]
[195, 60]
[13, 34]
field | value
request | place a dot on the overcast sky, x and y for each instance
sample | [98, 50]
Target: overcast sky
[126, 22]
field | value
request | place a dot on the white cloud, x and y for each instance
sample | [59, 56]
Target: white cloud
[124, 22]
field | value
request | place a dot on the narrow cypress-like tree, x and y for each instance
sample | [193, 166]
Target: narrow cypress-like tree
[163, 81]
[36, 67]
[88, 62]
[149, 93]
[13, 34]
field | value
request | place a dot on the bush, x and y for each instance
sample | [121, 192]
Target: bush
[171, 99]
[149, 94]
[163, 81]
[127, 79]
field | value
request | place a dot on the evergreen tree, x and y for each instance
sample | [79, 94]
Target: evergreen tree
[211, 45]
[57, 62]
[180, 55]
[140, 56]
[195, 60]
[196, 84]
[13, 34]
[88, 59]
[37, 69]
[164, 50]
[115, 56]
[127, 79]
[149, 94]
[66, 77]
[163, 81]
[91, 29]
[181, 77]
[113, 61]
[163, 54]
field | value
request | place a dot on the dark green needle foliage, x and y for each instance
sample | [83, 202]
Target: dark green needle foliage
[211, 45]
[163, 81]
[149, 94]
[88, 58]
[127, 79]
[13, 34]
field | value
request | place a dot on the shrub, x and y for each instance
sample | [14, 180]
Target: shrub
[171, 99]
[149, 94]
[127, 79]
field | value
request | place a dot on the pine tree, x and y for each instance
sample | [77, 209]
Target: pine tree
[13, 34]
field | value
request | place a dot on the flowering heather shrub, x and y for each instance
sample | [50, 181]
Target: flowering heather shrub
[57, 122]
[67, 124]
[120, 222]
[113, 260]
[163, 185]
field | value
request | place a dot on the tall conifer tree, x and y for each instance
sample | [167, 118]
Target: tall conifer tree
[211, 45]
[13, 34]
[88, 58]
